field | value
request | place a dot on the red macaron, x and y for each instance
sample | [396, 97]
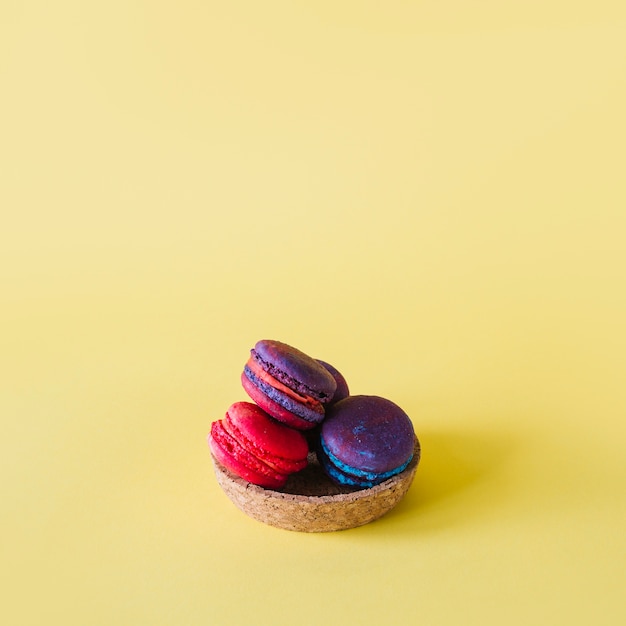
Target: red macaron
[257, 448]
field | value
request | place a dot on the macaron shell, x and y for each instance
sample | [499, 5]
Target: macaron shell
[273, 408]
[265, 433]
[295, 369]
[307, 412]
[369, 433]
[277, 463]
[257, 374]
[342, 391]
[346, 475]
[283, 449]
[339, 477]
[234, 457]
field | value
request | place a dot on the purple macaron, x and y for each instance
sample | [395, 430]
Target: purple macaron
[365, 440]
[288, 384]
[342, 390]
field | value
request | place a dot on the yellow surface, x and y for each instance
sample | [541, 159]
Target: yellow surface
[429, 195]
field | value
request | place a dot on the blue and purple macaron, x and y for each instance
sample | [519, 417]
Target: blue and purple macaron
[365, 440]
[288, 384]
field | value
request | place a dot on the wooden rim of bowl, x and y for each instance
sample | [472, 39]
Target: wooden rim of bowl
[311, 502]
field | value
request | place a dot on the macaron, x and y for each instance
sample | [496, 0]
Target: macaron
[365, 440]
[342, 391]
[289, 385]
[257, 448]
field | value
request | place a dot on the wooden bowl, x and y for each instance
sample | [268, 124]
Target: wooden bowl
[311, 502]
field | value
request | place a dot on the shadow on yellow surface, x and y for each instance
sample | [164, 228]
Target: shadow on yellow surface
[455, 479]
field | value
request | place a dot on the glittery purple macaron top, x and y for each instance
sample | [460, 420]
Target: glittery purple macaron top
[368, 433]
[295, 369]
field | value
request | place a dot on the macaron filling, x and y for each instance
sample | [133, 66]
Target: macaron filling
[254, 366]
[290, 404]
[341, 477]
[275, 410]
[346, 474]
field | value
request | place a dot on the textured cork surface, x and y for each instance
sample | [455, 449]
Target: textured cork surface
[311, 502]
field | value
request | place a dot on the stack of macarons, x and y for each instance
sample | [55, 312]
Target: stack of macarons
[360, 441]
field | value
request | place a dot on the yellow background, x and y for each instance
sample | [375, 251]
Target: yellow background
[429, 195]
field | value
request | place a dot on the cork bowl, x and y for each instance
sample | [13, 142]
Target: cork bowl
[311, 502]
